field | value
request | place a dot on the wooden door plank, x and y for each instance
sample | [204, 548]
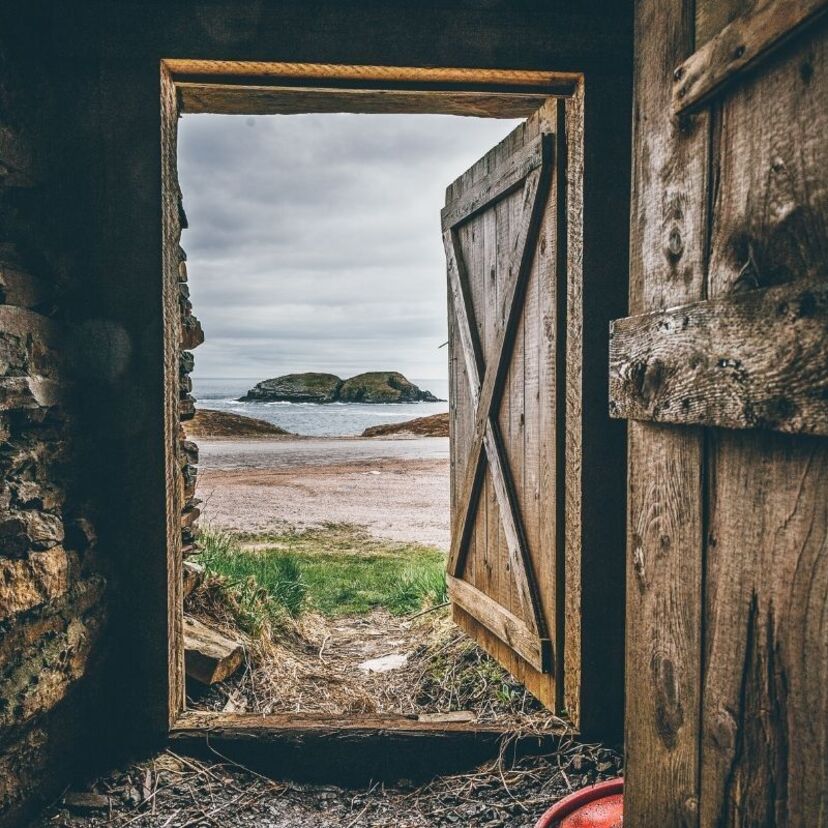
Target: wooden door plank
[713, 15]
[665, 524]
[744, 42]
[505, 178]
[521, 565]
[751, 360]
[764, 728]
[505, 625]
[513, 293]
[493, 573]
[487, 574]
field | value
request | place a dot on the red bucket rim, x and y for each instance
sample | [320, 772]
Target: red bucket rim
[577, 799]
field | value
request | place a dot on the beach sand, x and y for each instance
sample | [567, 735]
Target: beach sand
[396, 488]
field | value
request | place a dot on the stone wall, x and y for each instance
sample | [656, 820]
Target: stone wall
[52, 581]
[191, 337]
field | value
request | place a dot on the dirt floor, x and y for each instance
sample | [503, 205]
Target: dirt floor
[174, 791]
[396, 488]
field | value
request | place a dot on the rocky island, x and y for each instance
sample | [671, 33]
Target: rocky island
[372, 387]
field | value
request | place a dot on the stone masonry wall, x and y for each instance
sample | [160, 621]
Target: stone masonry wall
[51, 581]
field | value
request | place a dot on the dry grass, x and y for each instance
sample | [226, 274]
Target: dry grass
[175, 791]
[308, 665]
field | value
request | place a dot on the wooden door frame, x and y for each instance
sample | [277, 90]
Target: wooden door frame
[267, 88]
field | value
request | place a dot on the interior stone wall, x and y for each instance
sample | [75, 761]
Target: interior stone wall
[52, 570]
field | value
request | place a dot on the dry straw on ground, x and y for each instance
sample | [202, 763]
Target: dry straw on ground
[173, 791]
[311, 665]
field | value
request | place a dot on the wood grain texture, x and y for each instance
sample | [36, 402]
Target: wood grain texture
[744, 42]
[209, 656]
[507, 176]
[764, 745]
[337, 73]
[665, 521]
[245, 99]
[750, 360]
[713, 15]
[486, 441]
[510, 629]
[171, 327]
[571, 531]
[491, 241]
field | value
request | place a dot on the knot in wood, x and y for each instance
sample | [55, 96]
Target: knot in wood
[675, 244]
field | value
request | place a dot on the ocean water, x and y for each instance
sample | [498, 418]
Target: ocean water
[315, 419]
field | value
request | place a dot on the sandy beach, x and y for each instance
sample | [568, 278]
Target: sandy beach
[397, 488]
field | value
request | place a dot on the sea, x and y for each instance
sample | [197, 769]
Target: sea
[315, 419]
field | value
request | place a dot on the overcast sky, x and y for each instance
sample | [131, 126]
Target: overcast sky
[314, 240]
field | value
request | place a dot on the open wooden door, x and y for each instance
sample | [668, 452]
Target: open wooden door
[500, 230]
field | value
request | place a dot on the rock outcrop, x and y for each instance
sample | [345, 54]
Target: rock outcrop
[437, 425]
[373, 387]
[310, 387]
[382, 387]
[207, 423]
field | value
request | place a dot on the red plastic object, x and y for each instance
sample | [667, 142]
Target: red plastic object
[598, 806]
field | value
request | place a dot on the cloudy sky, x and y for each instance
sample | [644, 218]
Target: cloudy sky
[314, 240]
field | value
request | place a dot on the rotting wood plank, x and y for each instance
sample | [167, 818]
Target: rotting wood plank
[209, 656]
[176, 481]
[751, 360]
[668, 238]
[739, 47]
[506, 626]
[193, 576]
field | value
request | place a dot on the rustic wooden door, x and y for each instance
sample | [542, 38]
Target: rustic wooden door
[500, 230]
[722, 370]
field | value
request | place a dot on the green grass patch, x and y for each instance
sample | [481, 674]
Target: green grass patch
[336, 570]
[259, 595]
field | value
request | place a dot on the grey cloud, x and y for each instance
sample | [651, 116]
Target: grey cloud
[314, 240]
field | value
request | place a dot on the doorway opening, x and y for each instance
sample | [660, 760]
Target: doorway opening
[315, 260]
[513, 581]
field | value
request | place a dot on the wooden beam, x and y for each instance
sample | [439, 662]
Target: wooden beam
[751, 360]
[740, 46]
[507, 627]
[665, 525]
[333, 73]
[249, 98]
[348, 750]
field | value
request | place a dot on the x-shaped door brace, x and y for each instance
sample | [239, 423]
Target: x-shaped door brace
[487, 377]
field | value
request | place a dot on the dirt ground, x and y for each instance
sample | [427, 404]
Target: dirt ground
[174, 791]
[396, 488]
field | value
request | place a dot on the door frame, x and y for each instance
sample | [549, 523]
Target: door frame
[233, 87]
